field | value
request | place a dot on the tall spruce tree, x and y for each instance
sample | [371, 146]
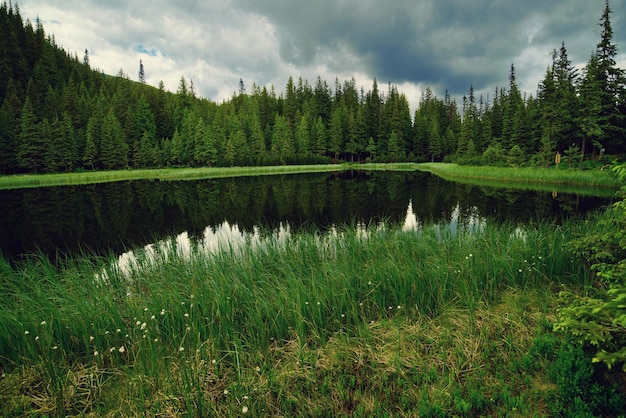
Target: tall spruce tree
[612, 88]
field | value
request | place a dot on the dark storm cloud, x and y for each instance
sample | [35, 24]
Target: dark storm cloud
[448, 44]
[444, 44]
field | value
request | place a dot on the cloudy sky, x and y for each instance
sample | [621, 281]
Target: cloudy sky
[444, 44]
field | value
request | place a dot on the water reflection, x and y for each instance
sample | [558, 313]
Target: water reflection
[120, 216]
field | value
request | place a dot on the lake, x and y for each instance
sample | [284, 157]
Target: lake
[116, 217]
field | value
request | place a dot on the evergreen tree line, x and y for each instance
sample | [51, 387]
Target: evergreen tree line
[59, 115]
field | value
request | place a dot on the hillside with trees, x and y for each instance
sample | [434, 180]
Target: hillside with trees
[58, 114]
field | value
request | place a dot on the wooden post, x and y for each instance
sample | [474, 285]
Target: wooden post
[557, 159]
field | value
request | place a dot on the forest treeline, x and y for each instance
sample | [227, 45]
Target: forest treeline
[60, 115]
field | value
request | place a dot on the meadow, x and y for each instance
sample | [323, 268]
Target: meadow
[363, 322]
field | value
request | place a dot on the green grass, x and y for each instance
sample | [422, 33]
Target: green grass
[413, 323]
[495, 176]
[594, 182]
[90, 177]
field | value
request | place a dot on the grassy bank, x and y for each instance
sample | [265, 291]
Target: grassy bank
[495, 176]
[90, 177]
[407, 323]
[597, 182]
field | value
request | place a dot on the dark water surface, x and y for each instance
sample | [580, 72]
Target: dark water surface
[122, 215]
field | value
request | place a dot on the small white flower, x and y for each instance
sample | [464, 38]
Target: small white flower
[112, 349]
[96, 354]
[245, 397]
[122, 349]
[43, 323]
[182, 303]
[398, 307]
[319, 303]
[156, 340]
[106, 332]
[153, 317]
[257, 368]
[213, 361]
[55, 347]
[162, 311]
[37, 338]
[138, 323]
[181, 348]
[186, 315]
[26, 332]
[244, 410]
[145, 309]
[91, 338]
[144, 325]
[225, 391]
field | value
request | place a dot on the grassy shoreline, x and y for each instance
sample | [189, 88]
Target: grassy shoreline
[528, 175]
[415, 323]
[529, 178]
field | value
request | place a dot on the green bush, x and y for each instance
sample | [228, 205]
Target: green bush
[598, 318]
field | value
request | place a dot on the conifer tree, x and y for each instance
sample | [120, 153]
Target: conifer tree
[34, 146]
[612, 84]
[318, 137]
[113, 146]
[336, 135]
[302, 136]
[91, 147]
[142, 74]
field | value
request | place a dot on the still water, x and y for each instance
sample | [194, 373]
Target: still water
[115, 217]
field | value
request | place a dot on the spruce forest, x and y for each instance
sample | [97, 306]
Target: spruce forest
[59, 115]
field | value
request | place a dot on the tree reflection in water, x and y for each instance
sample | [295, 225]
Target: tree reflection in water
[121, 216]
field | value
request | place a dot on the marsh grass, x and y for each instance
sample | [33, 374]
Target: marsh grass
[529, 177]
[164, 174]
[586, 182]
[309, 324]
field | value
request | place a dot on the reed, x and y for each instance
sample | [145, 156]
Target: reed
[183, 331]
